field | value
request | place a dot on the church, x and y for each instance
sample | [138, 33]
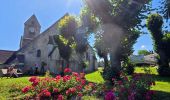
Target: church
[37, 48]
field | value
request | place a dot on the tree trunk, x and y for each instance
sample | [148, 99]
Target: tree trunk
[106, 64]
[115, 63]
[163, 59]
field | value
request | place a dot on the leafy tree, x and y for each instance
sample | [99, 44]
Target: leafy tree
[67, 27]
[119, 20]
[161, 42]
[165, 8]
[143, 52]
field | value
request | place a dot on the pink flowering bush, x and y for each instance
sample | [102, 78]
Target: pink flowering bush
[61, 88]
[135, 88]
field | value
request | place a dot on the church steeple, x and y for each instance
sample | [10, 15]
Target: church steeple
[31, 30]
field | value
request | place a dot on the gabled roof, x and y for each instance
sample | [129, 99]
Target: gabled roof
[4, 55]
[33, 18]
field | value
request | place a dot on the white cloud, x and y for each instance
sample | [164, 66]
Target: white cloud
[143, 47]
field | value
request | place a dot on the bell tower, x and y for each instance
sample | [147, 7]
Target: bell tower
[31, 30]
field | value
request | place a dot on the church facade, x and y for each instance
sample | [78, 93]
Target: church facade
[37, 48]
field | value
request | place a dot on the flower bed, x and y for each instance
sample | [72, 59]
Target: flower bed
[73, 86]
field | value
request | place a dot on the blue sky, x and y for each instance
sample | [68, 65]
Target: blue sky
[15, 12]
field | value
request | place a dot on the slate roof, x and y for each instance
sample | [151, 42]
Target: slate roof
[4, 55]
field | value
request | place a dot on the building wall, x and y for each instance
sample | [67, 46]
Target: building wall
[53, 62]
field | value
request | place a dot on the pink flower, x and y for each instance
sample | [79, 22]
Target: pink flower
[109, 96]
[26, 89]
[33, 78]
[67, 70]
[75, 74]
[77, 79]
[60, 97]
[47, 94]
[72, 90]
[80, 94]
[58, 77]
[83, 82]
[79, 87]
[55, 90]
[35, 83]
[66, 78]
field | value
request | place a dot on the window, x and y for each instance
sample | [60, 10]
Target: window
[38, 53]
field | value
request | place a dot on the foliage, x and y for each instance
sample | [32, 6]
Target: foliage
[165, 8]
[69, 86]
[64, 49]
[85, 64]
[129, 68]
[161, 42]
[88, 19]
[119, 20]
[143, 52]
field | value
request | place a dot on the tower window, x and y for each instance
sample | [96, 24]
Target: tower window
[38, 53]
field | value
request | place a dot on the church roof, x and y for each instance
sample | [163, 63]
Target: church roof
[33, 18]
[4, 55]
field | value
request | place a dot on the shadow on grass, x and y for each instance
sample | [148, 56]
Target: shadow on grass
[160, 95]
[161, 79]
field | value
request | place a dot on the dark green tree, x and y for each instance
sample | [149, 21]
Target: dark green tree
[161, 42]
[119, 20]
[143, 52]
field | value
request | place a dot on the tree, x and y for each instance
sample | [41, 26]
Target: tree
[67, 27]
[119, 20]
[161, 42]
[143, 52]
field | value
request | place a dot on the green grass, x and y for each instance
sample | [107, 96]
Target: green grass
[162, 83]
[11, 87]
[95, 77]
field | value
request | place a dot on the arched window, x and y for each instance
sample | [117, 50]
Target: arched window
[38, 53]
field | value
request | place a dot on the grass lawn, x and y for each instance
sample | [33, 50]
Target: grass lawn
[10, 87]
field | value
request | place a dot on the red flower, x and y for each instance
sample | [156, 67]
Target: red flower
[77, 79]
[60, 97]
[80, 94]
[66, 78]
[67, 70]
[55, 90]
[79, 87]
[47, 94]
[72, 90]
[58, 77]
[26, 89]
[35, 83]
[75, 74]
[83, 82]
[33, 78]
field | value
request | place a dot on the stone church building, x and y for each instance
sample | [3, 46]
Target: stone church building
[37, 48]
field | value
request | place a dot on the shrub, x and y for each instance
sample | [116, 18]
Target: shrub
[69, 86]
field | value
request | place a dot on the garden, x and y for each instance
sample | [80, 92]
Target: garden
[92, 86]
[116, 26]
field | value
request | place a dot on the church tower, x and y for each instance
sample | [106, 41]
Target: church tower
[31, 30]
